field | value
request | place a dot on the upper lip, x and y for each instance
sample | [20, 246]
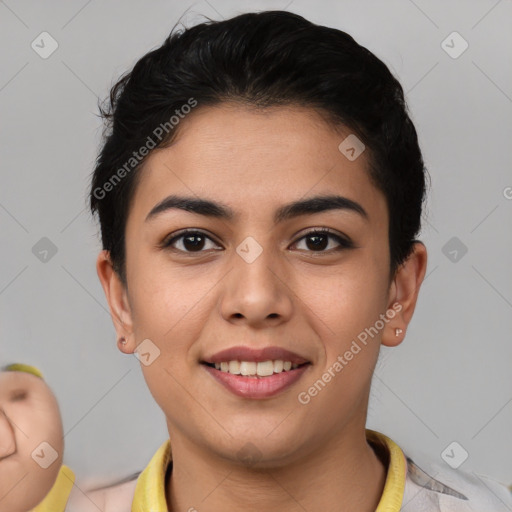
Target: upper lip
[242, 353]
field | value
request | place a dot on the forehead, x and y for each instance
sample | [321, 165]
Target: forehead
[270, 155]
[10, 380]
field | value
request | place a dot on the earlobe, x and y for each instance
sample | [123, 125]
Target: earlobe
[404, 291]
[115, 293]
[124, 346]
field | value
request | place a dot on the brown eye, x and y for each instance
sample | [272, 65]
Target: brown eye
[192, 242]
[19, 395]
[317, 240]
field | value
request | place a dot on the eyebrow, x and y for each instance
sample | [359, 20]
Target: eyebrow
[288, 211]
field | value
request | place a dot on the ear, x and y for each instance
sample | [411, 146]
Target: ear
[403, 294]
[117, 299]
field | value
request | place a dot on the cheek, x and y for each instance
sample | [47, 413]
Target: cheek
[169, 302]
[171, 312]
[39, 418]
[351, 303]
[347, 299]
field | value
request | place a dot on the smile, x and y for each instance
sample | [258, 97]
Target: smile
[253, 368]
[256, 380]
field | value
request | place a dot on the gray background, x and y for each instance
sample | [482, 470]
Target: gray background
[451, 378]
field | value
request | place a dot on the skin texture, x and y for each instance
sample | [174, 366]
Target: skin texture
[29, 416]
[313, 302]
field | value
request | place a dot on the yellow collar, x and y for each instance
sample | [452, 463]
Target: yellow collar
[56, 499]
[150, 488]
[394, 486]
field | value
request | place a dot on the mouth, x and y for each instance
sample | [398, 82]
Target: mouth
[256, 373]
[253, 369]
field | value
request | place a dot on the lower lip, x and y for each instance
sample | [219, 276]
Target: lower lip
[254, 387]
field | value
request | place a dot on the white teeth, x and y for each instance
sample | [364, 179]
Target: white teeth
[247, 368]
[265, 368]
[234, 367]
[278, 366]
[251, 368]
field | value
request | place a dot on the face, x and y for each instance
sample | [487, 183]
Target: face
[29, 416]
[251, 280]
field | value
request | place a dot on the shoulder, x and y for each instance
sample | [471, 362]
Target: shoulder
[434, 487]
[115, 498]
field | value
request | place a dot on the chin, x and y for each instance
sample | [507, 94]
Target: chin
[258, 451]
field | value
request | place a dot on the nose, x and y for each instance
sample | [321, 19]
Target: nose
[7, 439]
[257, 291]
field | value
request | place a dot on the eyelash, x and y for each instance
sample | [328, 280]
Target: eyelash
[345, 243]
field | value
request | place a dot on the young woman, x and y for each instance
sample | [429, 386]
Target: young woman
[259, 192]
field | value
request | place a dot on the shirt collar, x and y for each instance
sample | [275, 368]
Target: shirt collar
[394, 486]
[150, 488]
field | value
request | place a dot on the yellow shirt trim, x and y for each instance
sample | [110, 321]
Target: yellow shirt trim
[394, 487]
[57, 498]
[150, 488]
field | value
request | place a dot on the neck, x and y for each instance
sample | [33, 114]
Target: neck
[341, 474]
